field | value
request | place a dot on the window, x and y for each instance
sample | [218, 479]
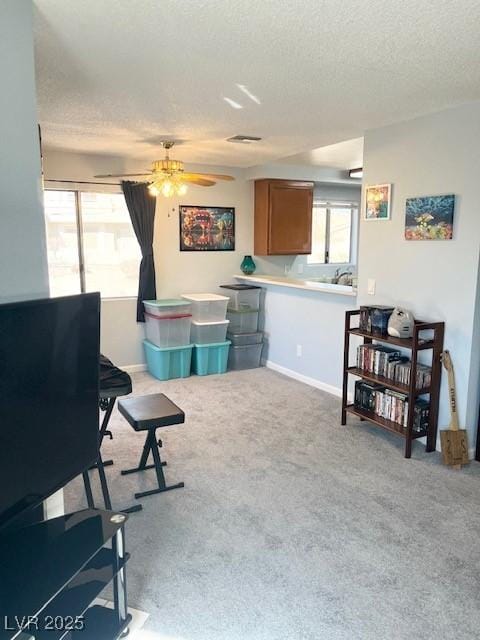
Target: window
[91, 244]
[332, 232]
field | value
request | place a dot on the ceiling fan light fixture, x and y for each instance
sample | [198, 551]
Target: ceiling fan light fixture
[153, 190]
[167, 166]
[182, 189]
[167, 188]
[168, 178]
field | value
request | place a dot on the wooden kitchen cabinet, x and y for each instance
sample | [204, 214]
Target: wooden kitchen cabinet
[283, 217]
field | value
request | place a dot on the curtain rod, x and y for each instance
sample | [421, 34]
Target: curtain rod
[110, 184]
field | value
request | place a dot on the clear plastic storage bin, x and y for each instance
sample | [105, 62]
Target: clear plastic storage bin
[242, 296]
[168, 362]
[246, 357]
[210, 358]
[242, 321]
[170, 307]
[208, 332]
[207, 307]
[242, 339]
[167, 331]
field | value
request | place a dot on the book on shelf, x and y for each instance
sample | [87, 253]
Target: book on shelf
[391, 405]
[374, 358]
[390, 363]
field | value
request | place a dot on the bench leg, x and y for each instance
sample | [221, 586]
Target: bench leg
[151, 445]
[152, 492]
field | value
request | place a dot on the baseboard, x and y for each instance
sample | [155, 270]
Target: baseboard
[134, 368]
[312, 382]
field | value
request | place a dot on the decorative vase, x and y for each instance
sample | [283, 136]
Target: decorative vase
[248, 266]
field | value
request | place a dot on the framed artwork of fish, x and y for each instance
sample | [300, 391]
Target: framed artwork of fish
[429, 218]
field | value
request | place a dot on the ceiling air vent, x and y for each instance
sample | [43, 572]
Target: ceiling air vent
[243, 139]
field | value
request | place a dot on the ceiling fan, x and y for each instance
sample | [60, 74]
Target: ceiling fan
[168, 177]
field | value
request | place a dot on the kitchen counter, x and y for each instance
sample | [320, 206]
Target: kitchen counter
[294, 283]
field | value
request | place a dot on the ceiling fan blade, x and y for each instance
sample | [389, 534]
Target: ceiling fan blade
[211, 176]
[124, 175]
[193, 179]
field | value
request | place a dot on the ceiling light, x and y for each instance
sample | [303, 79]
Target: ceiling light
[356, 173]
[243, 139]
[167, 187]
[232, 103]
[182, 189]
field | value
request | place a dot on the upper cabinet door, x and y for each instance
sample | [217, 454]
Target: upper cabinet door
[290, 218]
[283, 217]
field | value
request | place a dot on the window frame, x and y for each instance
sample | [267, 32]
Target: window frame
[80, 231]
[328, 205]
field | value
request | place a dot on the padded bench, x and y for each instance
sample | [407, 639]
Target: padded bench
[149, 413]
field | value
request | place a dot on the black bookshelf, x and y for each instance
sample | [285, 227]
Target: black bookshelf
[426, 336]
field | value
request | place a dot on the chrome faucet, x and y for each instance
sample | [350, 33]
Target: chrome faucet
[338, 275]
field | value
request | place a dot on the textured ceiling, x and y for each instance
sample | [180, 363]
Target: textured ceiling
[116, 76]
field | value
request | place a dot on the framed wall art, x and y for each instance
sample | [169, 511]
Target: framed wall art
[378, 202]
[207, 228]
[429, 218]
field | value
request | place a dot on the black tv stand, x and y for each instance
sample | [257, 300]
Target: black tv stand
[51, 573]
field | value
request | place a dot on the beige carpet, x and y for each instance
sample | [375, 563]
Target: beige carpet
[291, 526]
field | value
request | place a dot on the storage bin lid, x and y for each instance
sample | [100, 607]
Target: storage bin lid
[246, 347]
[248, 310]
[203, 297]
[207, 324]
[227, 343]
[171, 316]
[244, 335]
[154, 347]
[171, 302]
[239, 287]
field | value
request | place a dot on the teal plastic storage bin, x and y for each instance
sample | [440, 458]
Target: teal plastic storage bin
[210, 358]
[166, 363]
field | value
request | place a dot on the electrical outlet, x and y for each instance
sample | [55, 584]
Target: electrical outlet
[300, 268]
[299, 350]
[371, 287]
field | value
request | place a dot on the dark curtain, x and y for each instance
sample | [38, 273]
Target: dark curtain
[141, 206]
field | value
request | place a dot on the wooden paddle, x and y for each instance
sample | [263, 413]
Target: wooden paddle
[453, 440]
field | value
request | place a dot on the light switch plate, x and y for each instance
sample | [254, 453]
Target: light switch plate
[300, 268]
[371, 287]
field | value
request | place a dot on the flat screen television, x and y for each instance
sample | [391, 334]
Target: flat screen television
[49, 371]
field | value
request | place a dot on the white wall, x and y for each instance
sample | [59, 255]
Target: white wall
[176, 272]
[313, 320]
[436, 154]
[23, 253]
[185, 271]
[23, 265]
